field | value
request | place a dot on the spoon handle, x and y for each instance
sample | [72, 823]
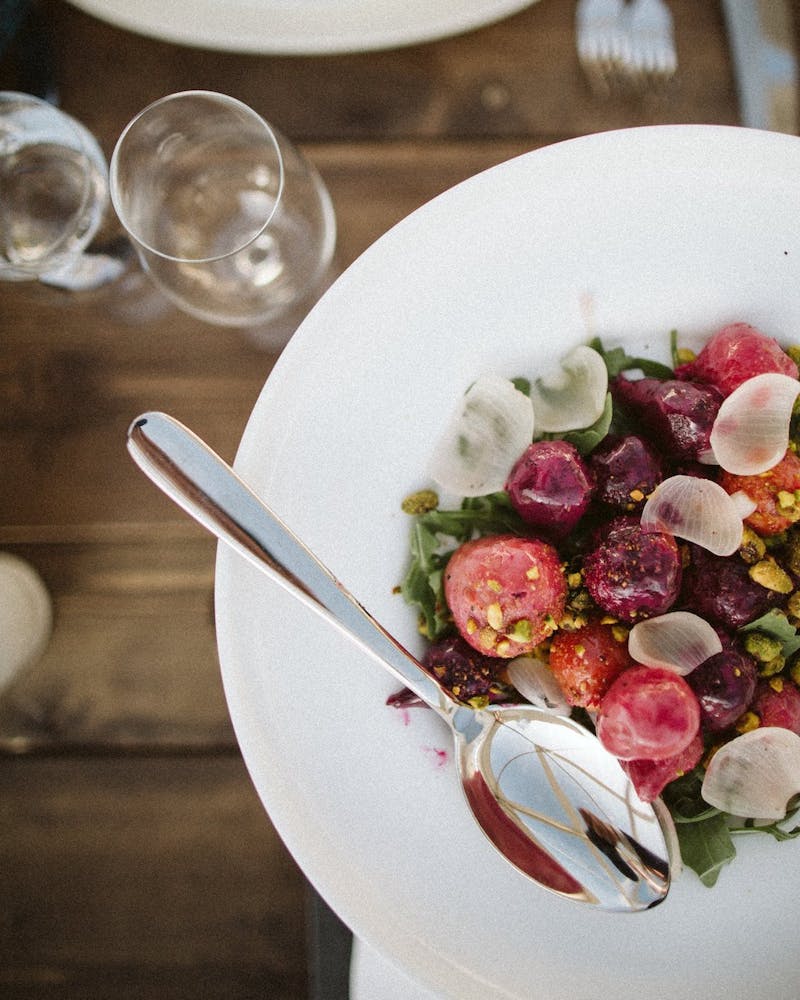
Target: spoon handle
[208, 489]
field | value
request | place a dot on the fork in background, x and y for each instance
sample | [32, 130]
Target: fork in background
[653, 60]
[602, 42]
[625, 47]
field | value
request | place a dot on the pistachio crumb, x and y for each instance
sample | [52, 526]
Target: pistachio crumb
[747, 722]
[420, 502]
[752, 548]
[769, 575]
[494, 616]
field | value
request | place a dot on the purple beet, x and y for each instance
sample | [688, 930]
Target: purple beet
[719, 589]
[464, 671]
[724, 685]
[550, 486]
[677, 416]
[631, 573]
[626, 471]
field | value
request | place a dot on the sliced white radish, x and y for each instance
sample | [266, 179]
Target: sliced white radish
[574, 397]
[756, 774]
[491, 428]
[697, 510]
[535, 681]
[751, 430]
[678, 641]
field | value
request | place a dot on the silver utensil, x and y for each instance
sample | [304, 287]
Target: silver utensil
[653, 61]
[542, 787]
[602, 42]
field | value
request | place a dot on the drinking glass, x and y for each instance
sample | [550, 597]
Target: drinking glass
[230, 221]
[53, 196]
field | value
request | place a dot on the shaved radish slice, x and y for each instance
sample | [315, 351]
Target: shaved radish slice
[535, 682]
[490, 430]
[574, 397]
[751, 430]
[678, 641]
[756, 774]
[697, 510]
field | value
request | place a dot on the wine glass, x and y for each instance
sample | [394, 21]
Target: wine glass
[53, 196]
[228, 218]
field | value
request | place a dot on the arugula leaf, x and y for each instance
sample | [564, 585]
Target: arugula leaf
[706, 846]
[703, 834]
[435, 535]
[617, 360]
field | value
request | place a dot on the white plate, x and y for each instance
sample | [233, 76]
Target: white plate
[294, 27]
[626, 235]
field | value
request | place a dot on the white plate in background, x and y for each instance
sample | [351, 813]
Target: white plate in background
[296, 27]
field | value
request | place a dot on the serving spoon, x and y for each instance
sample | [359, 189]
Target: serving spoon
[542, 787]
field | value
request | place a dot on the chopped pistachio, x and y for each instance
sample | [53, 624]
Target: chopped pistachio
[494, 585]
[772, 667]
[752, 548]
[494, 616]
[762, 647]
[533, 573]
[745, 723]
[420, 502]
[684, 356]
[522, 631]
[769, 575]
[776, 683]
[620, 632]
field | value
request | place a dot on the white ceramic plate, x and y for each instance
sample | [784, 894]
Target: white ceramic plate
[295, 27]
[626, 235]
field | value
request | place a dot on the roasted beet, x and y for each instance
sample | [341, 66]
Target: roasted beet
[550, 486]
[734, 354]
[586, 661]
[465, 672]
[719, 589]
[650, 777]
[506, 593]
[677, 416]
[648, 713]
[724, 685]
[777, 703]
[631, 573]
[626, 470]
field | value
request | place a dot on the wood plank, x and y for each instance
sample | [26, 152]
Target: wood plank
[140, 877]
[517, 76]
[132, 659]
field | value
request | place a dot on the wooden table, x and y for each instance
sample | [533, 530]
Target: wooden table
[135, 857]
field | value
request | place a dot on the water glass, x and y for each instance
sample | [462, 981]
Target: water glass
[228, 218]
[53, 195]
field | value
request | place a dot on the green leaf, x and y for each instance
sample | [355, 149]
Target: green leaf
[618, 361]
[706, 846]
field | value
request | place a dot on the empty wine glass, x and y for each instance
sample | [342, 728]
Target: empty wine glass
[53, 196]
[230, 221]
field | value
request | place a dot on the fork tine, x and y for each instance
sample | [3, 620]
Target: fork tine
[653, 59]
[601, 42]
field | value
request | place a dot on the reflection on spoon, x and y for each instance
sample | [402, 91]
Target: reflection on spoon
[544, 790]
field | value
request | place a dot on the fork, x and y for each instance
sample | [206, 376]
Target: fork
[625, 46]
[651, 52]
[603, 42]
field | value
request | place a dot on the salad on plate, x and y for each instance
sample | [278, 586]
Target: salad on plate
[619, 540]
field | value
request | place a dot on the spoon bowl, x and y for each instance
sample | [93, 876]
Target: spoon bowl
[543, 789]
